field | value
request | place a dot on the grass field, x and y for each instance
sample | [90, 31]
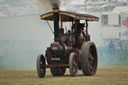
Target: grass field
[114, 75]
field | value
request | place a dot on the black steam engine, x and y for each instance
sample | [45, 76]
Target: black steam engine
[71, 49]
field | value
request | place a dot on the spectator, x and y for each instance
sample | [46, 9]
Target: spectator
[111, 47]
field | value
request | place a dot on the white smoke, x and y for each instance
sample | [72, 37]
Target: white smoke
[46, 5]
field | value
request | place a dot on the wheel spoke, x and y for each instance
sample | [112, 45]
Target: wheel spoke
[74, 66]
[90, 56]
[74, 69]
[90, 61]
[90, 66]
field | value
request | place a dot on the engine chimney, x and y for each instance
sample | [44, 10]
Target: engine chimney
[56, 22]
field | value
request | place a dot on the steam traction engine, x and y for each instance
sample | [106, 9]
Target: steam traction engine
[72, 49]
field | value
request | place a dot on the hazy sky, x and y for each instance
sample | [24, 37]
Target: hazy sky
[23, 28]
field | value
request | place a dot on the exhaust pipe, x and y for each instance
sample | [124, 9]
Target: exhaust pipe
[56, 22]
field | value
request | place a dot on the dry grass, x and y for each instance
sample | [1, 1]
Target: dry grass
[117, 75]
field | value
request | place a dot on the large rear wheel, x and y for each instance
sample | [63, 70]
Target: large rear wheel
[89, 59]
[58, 71]
[73, 67]
[41, 69]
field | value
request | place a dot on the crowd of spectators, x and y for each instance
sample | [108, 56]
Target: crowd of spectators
[114, 51]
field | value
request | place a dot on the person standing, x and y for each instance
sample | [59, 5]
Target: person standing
[111, 47]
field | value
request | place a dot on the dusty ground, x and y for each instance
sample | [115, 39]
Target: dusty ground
[115, 75]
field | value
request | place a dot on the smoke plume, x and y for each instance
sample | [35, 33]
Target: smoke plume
[45, 5]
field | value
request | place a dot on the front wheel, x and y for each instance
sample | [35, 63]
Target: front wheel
[73, 67]
[89, 59]
[41, 69]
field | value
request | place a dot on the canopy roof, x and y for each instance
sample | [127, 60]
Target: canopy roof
[69, 16]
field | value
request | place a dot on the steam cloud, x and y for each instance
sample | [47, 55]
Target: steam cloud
[45, 5]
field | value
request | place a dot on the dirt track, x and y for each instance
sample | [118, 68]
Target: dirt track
[116, 75]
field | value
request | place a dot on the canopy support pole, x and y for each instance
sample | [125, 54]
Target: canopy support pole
[86, 27]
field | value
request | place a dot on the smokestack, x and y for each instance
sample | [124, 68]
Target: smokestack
[56, 21]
